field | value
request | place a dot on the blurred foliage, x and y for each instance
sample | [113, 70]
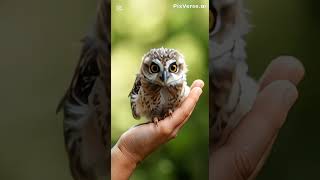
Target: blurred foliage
[140, 26]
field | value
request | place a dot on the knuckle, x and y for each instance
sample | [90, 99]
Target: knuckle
[185, 114]
[173, 135]
[243, 166]
[193, 98]
[165, 130]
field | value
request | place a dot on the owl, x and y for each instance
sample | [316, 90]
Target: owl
[86, 105]
[232, 90]
[160, 86]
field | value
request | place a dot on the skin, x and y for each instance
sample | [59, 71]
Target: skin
[138, 142]
[249, 145]
[246, 149]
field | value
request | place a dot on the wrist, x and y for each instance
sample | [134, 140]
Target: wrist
[122, 165]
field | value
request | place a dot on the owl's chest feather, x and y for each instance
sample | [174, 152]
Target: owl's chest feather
[158, 100]
[169, 96]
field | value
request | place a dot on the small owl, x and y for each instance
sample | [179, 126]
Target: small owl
[161, 85]
[232, 90]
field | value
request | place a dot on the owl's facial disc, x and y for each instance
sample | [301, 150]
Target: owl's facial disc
[175, 75]
[157, 69]
[152, 69]
[164, 67]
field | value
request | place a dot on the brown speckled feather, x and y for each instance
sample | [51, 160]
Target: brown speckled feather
[133, 95]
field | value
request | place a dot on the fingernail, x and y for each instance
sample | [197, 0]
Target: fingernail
[198, 91]
[199, 83]
[290, 96]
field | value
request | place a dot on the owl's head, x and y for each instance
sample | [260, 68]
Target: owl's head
[227, 19]
[164, 67]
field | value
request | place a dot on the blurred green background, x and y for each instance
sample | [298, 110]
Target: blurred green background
[140, 26]
[39, 49]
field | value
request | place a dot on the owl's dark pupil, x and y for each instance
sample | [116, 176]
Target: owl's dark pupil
[154, 68]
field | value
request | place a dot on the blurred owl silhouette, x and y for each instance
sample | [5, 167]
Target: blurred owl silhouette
[232, 90]
[160, 86]
[86, 104]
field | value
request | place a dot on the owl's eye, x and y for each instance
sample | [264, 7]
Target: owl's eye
[213, 20]
[154, 68]
[173, 68]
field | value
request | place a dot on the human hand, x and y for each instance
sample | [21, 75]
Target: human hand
[247, 148]
[138, 142]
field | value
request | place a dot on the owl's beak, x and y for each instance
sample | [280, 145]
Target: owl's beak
[164, 76]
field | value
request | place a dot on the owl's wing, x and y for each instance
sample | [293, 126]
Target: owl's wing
[84, 76]
[134, 93]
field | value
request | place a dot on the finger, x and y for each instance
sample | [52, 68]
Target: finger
[283, 68]
[186, 108]
[167, 127]
[197, 83]
[253, 135]
[219, 160]
[141, 124]
[263, 158]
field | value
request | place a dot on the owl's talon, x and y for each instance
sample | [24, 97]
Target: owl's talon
[169, 113]
[155, 121]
